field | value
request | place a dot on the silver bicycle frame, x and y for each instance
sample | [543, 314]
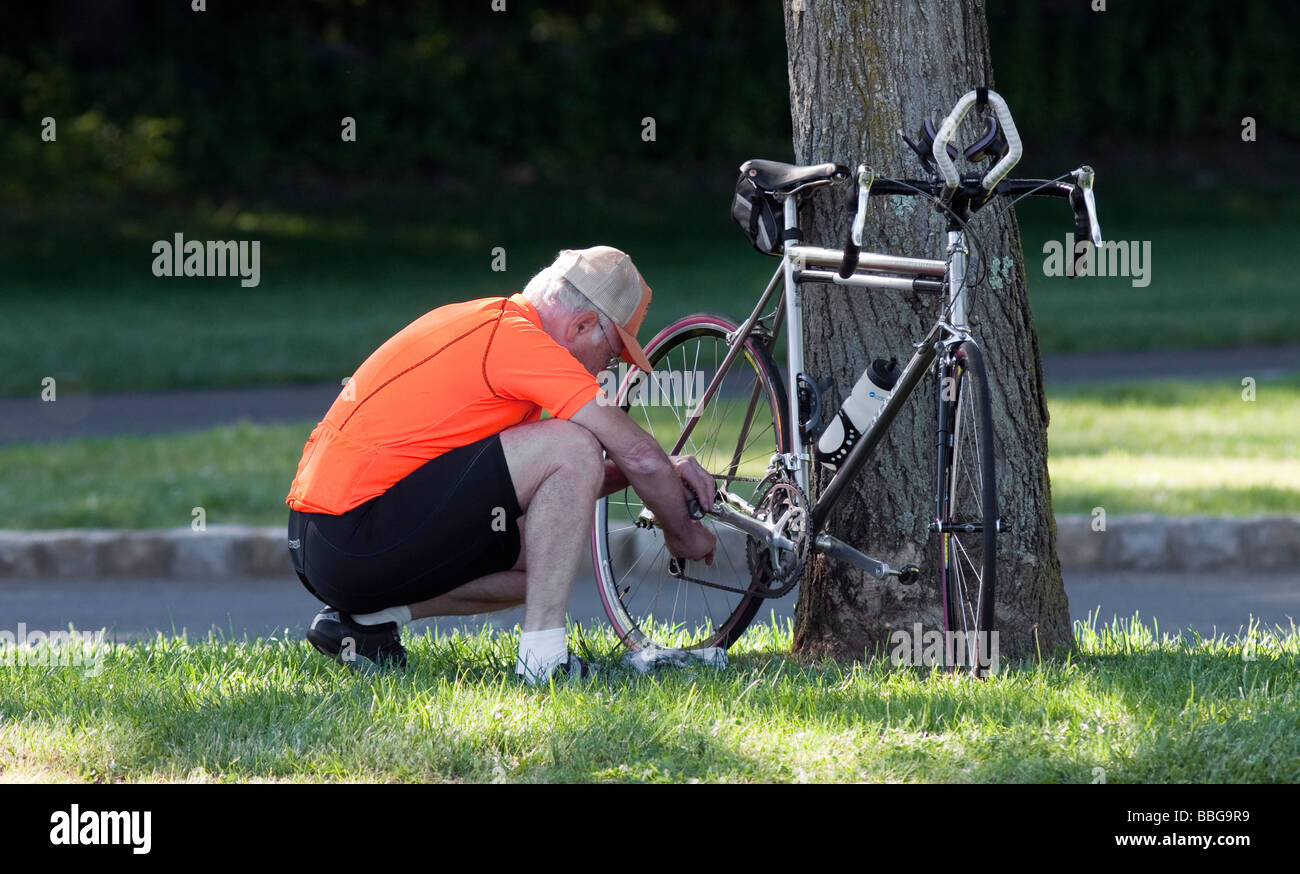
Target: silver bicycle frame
[874, 271]
[800, 264]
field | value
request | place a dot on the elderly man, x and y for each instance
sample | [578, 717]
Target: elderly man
[433, 488]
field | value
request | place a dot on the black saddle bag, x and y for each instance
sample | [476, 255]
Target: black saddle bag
[758, 214]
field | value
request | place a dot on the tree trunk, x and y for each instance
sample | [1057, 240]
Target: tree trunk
[861, 70]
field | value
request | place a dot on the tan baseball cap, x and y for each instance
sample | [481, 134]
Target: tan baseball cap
[608, 279]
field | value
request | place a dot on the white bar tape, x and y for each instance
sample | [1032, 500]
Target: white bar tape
[949, 127]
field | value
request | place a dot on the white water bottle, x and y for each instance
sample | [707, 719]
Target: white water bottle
[860, 409]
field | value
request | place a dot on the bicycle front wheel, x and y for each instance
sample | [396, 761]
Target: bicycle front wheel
[967, 514]
[648, 600]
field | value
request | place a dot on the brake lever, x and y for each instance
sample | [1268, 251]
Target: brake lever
[853, 245]
[1084, 177]
[866, 176]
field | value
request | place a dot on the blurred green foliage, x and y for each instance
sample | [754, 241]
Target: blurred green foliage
[1155, 69]
[245, 95]
[154, 99]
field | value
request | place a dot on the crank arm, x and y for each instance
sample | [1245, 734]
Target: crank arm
[841, 551]
[746, 524]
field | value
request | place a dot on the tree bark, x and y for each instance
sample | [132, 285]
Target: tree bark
[861, 70]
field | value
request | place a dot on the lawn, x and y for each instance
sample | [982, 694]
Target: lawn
[337, 279]
[1126, 706]
[1168, 447]
[1179, 448]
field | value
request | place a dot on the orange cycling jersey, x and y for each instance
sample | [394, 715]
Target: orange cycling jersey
[455, 375]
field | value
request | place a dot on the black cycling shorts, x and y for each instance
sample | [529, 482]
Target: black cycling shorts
[452, 520]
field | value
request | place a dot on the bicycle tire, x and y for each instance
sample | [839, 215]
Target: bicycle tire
[644, 602]
[967, 511]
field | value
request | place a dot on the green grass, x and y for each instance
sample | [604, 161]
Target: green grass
[1183, 448]
[1141, 708]
[341, 275]
[81, 304]
[239, 473]
[1178, 448]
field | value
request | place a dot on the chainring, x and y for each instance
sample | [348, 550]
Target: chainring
[780, 502]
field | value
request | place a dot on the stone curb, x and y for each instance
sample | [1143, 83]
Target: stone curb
[1179, 543]
[1133, 543]
[219, 552]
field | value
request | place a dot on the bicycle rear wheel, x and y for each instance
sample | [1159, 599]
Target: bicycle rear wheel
[967, 510]
[738, 431]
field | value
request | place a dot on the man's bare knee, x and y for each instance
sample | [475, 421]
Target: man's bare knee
[555, 448]
[578, 449]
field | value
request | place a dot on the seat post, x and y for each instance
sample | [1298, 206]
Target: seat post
[790, 203]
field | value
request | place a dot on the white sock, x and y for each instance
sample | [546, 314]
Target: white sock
[539, 652]
[400, 615]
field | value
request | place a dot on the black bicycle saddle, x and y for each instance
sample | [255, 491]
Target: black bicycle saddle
[774, 176]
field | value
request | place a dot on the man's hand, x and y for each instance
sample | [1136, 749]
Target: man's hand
[699, 543]
[695, 542]
[696, 478]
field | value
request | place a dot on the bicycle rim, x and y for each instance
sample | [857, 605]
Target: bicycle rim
[739, 430]
[968, 513]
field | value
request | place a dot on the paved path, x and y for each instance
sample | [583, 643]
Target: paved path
[1255, 361]
[262, 606]
[1210, 603]
[31, 420]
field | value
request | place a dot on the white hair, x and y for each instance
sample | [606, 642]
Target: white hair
[552, 293]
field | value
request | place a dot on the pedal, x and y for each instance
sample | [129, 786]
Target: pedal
[909, 575]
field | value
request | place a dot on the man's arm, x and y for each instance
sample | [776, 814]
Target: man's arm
[686, 466]
[641, 463]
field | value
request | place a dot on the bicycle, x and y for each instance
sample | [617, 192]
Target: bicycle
[752, 427]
